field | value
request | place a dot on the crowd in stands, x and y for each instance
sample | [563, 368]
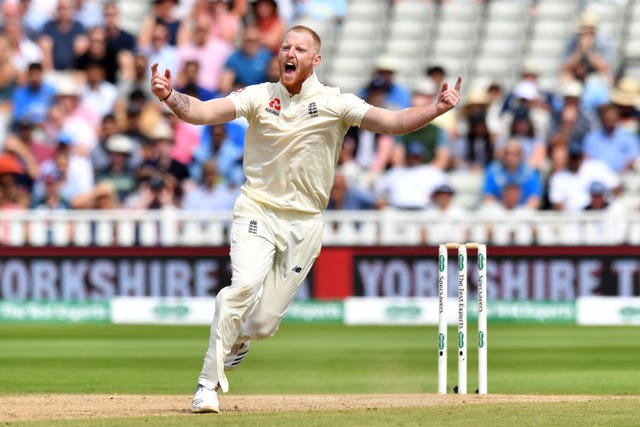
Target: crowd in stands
[80, 129]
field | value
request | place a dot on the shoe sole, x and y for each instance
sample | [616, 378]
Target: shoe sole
[205, 409]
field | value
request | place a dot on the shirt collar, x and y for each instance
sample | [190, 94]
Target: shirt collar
[310, 85]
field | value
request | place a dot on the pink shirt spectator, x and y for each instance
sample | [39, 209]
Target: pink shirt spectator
[211, 57]
[187, 138]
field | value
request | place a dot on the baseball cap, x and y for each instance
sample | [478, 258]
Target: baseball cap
[425, 86]
[415, 149]
[572, 89]
[119, 144]
[598, 188]
[378, 84]
[525, 90]
[386, 63]
[444, 188]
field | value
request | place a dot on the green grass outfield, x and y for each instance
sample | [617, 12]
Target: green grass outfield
[327, 359]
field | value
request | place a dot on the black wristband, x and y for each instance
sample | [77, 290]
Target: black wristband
[166, 97]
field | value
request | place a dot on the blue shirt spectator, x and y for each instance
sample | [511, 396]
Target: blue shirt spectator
[33, 100]
[512, 169]
[612, 144]
[217, 143]
[247, 65]
[397, 96]
[62, 38]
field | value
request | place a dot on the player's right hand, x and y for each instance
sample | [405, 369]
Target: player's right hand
[160, 84]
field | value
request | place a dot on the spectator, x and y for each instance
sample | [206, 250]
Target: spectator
[626, 97]
[512, 168]
[51, 199]
[346, 197]
[371, 151]
[534, 149]
[35, 15]
[269, 23]
[438, 74]
[213, 194]
[32, 100]
[160, 50]
[135, 81]
[273, 70]
[210, 55]
[102, 197]
[398, 96]
[161, 158]
[9, 80]
[613, 145]
[76, 174]
[216, 144]
[225, 18]
[118, 40]
[12, 195]
[495, 99]
[569, 184]
[474, 148]
[62, 39]
[23, 50]
[99, 155]
[190, 73]
[445, 217]
[247, 65]
[153, 192]
[528, 74]
[118, 172]
[162, 14]
[571, 124]
[99, 53]
[393, 191]
[432, 137]
[599, 197]
[98, 94]
[587, 48]
[25, 132]
[22, 151]
[527, 102]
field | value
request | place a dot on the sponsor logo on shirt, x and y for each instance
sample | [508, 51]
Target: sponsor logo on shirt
[313, 109]
[274, 107]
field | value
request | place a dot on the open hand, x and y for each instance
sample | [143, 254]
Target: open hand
[160, 84]
[449, 98]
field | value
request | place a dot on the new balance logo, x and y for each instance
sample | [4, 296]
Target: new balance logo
[274, 107]
[297, 269]
[253, 227]
[313, 109]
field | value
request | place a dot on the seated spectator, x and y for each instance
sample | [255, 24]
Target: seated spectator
[571, 124]
[23, 50]
[98, 94]
[437, 74]
[32, 100]
[186, 136]
[446, 219]
[474, 149]
[162, 13]
[136, 80]
[247, 65]
[154, 191]
[269, 23]
[613, 145]
[432, 137]
[217, 144]
[75, 172]
[118, 172]
[51, 199]
[190, 73]
[346, 197]
[89, 13]
[24, 134]
[528, 74]
[213, 194]
[588, 48]
[9, 81]
[512, 168]
[569, 186]
[443, 202]
[99, 155]
[209, 54]
[393, 191]
[526, 97]
[12, 194]
[118, 39]
[62, 39]
[398, 96]
[534, 149]
[98, 53]
[626, 97]
[225, 18]
[101, 197]
[21, 151]
[599, 197]
[159, 50]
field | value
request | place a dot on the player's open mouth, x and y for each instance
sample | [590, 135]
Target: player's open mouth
[289, 68]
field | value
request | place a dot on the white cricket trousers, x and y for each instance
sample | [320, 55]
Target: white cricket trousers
[271, 253]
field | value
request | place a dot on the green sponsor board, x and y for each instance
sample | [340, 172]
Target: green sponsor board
[54, 312]
[315, 312]
[527, 311]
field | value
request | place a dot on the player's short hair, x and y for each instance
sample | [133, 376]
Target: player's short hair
[305, 29]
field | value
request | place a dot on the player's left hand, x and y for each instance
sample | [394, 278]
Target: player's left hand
[448, 98]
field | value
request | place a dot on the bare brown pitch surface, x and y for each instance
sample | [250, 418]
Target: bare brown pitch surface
[62, 406]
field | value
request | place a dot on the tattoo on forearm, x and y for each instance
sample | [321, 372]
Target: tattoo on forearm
[180, 104]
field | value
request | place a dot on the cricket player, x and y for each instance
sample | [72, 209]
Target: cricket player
[296, 129]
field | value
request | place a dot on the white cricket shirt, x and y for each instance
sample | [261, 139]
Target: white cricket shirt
[293, 141]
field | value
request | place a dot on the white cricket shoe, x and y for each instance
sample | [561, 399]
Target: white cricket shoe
[236, 356]
[205, 400]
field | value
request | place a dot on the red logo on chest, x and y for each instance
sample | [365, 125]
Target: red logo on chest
[275, 104]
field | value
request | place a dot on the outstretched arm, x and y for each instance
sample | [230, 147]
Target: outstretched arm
[381, 120]
[188, 108]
